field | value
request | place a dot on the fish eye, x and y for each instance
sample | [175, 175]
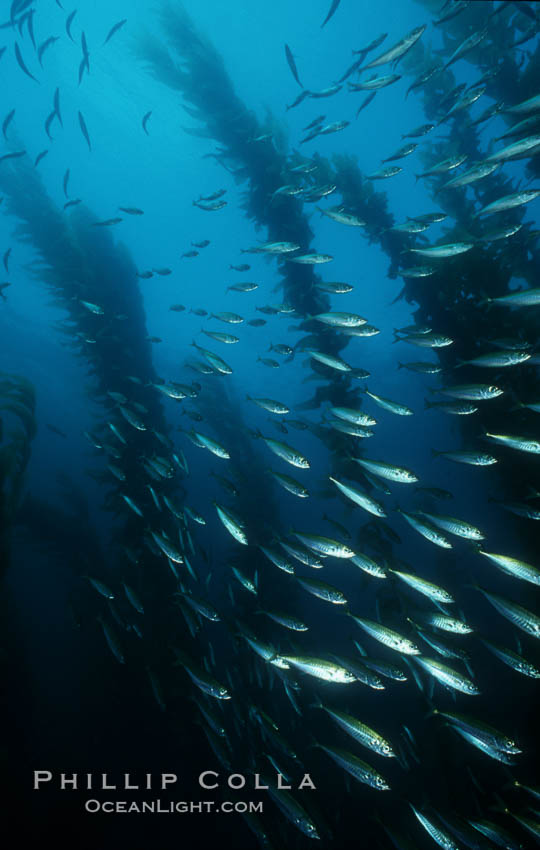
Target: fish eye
[493, 389]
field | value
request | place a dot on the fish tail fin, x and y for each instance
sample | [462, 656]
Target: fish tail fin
[436, 453]
[316, 702]
[417, 177]
[428, 405]
[360, 649]
[401, 365]
[460, 363]
[270, 347]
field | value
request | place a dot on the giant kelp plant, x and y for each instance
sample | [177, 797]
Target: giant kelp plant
[454, 298]
[185, 61]
[95, 282]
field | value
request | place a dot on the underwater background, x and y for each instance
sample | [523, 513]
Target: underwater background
[147, 149]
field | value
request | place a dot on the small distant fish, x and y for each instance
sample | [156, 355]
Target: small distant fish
[384, 173]
[22, 66]
[131, 210]
[213, 195]
[375, 84]
[419, 131]
[114, 30]
[69, 21]
[56, 106]
[292, 65]
[39, 157]
[84, 48]
[92, 308]
[508, 202]
[469, 43]
[310, 259]
[328, 92]
[367, 100]
[393, 54]
[423, 78]
[404, 150]
[145, 120]
[107, 222]
[14, 155]
[84, 130]
[7, 121]
[84, 65]
[72, 203]
[210, 206]
[56, 430]
[331, 12]
[45, 46]
[448, 250]
[6, 259]
[337, 214]
[30, 25]
[48, 121]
